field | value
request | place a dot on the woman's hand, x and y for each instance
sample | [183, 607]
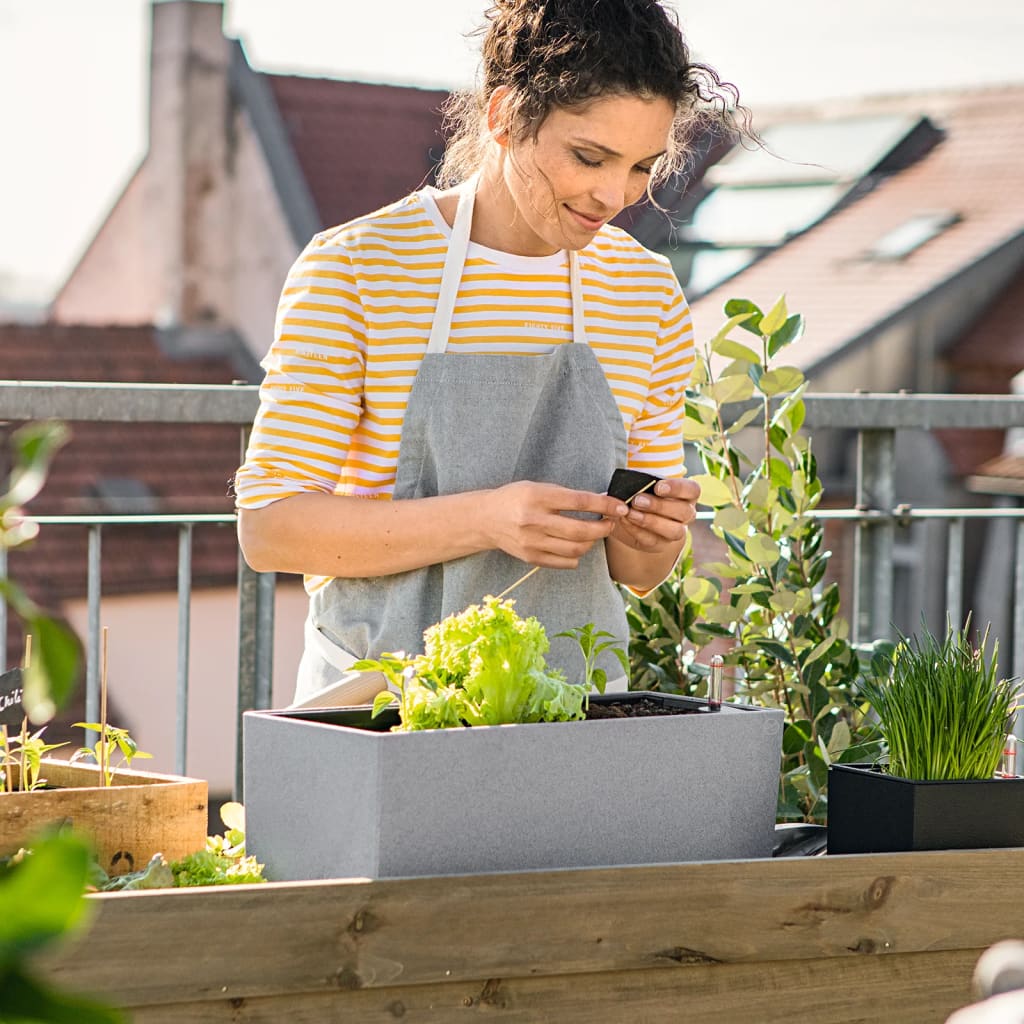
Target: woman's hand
[644, 546]
[657, 522]
[526, 520]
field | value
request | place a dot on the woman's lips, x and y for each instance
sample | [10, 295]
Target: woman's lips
[585, 222]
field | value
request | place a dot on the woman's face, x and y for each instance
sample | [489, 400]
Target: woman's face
[584, 166]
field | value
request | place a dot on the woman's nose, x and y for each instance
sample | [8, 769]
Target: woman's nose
[615, 192]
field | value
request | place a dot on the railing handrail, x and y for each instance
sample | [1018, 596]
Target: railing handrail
[237, 403]
[128, 403]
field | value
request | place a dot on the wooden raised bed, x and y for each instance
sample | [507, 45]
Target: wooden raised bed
[143, 813]
[838, 939]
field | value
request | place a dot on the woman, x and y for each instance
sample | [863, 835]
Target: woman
[484, 357]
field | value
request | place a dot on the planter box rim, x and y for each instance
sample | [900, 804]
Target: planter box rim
[877, 771]
[139, 777]
[315, 716]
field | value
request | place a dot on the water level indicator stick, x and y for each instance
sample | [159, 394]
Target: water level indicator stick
[715, 683]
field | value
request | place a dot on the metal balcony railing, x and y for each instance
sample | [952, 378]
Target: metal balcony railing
[875, 418]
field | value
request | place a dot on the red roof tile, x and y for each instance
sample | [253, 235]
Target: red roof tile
[360, 146]
[984, 361]
[186, 467]
[977, 172]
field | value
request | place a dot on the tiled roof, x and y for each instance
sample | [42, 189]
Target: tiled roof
[359, 146]
[186, 467]
[984, 361]
[976, 172]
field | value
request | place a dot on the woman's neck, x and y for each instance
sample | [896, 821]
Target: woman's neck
[497, 223]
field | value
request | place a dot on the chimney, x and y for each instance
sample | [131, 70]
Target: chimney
[189, 161]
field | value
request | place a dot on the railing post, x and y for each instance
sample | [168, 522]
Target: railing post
[255, 640]
[955, 572]
[265, 590]
[184, 635]
[92, 660]
[873, 550]
[248, 629]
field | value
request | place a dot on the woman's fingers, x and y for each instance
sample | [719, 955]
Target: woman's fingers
[550, 525]
[660, 518]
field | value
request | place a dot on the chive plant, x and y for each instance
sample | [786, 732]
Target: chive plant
[942, 709]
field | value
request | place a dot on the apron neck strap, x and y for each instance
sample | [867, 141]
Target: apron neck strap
[451, 276]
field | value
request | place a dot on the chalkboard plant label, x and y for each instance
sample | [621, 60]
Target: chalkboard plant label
[12, 711]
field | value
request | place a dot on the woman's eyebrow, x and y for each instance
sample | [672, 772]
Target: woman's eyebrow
[579, 140]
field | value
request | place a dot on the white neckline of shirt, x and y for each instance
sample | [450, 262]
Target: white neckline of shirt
[507, 261]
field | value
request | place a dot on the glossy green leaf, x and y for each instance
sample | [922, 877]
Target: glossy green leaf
[713, 492]
[53, 671]
[783, 379]
[695, 430]
[732, 519]
[730, 349]
[840, 738]
[723, 569]
[790, 331]
[743, 420]
[722, 614]
[775, 318]
[699, 589]
[34, 447]
[736, 307]
[783, 602]
[731, 389]
[23, 1000]
[762, 549]
[42, 898]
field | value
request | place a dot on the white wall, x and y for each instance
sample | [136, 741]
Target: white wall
[142, 671]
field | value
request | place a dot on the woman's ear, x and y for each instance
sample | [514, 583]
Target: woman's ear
[497, 115]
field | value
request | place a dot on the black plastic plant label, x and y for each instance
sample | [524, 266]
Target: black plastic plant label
[11, 711]
[626, 484]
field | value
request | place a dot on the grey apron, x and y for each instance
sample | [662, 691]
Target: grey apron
[476, 422]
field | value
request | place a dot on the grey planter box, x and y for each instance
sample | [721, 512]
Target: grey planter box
[326, 799]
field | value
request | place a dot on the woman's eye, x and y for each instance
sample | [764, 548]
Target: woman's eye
[583, 160]
[643, 170]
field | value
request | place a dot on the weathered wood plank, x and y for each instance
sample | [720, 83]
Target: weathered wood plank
[250, 941]
[917, 988]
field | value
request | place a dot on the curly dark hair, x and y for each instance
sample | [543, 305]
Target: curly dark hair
[561, 53]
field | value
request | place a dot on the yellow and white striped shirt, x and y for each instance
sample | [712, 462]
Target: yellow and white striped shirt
[353, 324]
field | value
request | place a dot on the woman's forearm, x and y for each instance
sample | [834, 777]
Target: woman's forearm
[640, 570]
[338, 535]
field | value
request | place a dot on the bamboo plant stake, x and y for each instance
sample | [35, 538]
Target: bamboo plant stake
[103, 709]
[26, 661]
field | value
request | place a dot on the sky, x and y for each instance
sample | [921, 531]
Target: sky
[73, 80]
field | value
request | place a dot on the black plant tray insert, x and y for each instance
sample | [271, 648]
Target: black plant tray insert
[361, 716]
[870, 811]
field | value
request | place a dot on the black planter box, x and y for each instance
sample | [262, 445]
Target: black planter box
[872, 812]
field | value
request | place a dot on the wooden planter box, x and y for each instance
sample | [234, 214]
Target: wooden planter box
[881, 937]
[328, 794]
[872, 812]
[143, 813]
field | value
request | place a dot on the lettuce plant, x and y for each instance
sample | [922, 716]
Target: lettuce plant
[482, 666]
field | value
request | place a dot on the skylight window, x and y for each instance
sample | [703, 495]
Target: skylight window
[761, 216]
[814, 151]
[911, 235]
[710, 267]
